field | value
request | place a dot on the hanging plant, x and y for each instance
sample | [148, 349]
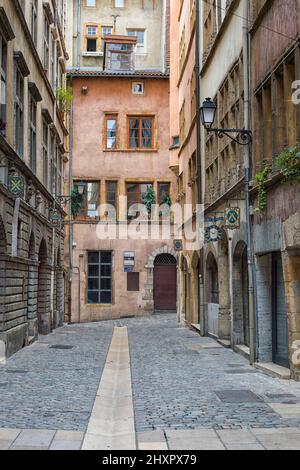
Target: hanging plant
[64, 96]
[76, 201]
[166, 199]
[149, 199]
[288, 162]
[261, 178]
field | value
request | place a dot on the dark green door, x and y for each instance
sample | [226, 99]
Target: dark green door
[279, 323]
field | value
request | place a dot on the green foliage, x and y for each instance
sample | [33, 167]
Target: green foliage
[261, 177]
[64, 96]
[76, 201]
[288, 162]
[166, 199]
[149, 199]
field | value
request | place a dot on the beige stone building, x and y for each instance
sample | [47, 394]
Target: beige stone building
[119, 152]
[32, 159]
[183, 157]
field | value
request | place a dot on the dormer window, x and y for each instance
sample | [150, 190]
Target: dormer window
[119, 52]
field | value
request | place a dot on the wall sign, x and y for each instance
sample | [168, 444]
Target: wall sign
[129, 261]
[55, 218]
[178, 245]
[232, 218]
[16, 185]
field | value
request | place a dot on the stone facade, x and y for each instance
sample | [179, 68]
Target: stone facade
[276, 126]
[105, 92]
[31, 248]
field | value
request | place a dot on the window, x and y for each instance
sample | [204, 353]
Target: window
[90, 3]
[52, 63]
[140, 35]
[163, 193]
[141, 133]
[119, 3]
[100, 277]
[34, 21]
[182, 123]
[91, 38]
[120, 56]
[111, 132]
[106, 31]
[89, 207]
[182, 50]
[135, 195]
[52, 164]
[18, 111]
[3, 62]
[111, 193]
[32, 133]
[46, 43]
[133, 282]
[193, 95]
[45, 153]
[138, 88]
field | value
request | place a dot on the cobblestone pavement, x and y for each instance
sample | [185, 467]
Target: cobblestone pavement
[182, 381]
[49, 386]
[187, 390]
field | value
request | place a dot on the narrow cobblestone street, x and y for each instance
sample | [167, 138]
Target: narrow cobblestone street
[188, 392]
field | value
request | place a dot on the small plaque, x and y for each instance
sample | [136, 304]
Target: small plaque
[232, 218]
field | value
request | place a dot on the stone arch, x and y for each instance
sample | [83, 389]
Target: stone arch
[3, 240]
[240, 300]
[149, 288]
[31, 247]
[193, 289]
[44, 284]
[224, 328]
[212, 294]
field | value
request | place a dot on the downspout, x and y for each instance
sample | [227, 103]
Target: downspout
[164, 35]
[201, 300]
[78, 32]
[79, 310]
[70, 216]
[248, 176]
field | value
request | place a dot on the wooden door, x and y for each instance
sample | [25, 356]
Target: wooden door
[165, 283]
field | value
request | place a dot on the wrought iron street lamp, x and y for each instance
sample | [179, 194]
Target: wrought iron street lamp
[63, 200]
[208, 114]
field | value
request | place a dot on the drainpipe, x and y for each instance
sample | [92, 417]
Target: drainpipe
[163, 40]
[79, 311]
[201, 299]
[70, 216]
[248, 176]
[78, 32]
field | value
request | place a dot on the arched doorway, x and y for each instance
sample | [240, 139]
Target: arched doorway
[241, 331]
[44, 280]
[212, 295]
[165, 275]
[224, 292]
[3, 245]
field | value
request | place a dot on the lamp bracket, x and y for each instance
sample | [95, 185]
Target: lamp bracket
[242, 136]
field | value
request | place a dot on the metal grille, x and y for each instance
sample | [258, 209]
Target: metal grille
[165, 259]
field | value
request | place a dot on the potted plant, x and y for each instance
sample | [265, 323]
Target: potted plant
[64, 96]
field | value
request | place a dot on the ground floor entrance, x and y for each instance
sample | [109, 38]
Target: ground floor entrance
[279, 314]
[165, 280]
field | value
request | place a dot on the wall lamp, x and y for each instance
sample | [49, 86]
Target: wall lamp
[208, 114]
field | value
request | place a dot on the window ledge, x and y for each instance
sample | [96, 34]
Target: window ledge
[154, 150]
[91, 54]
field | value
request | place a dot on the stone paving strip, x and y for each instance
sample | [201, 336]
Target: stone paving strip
[111, 424]
[40, 439]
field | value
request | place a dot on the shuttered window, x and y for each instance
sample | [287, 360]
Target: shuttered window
[133, 282]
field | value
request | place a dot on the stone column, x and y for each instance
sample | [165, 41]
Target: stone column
[291, 269]
[32, 299]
